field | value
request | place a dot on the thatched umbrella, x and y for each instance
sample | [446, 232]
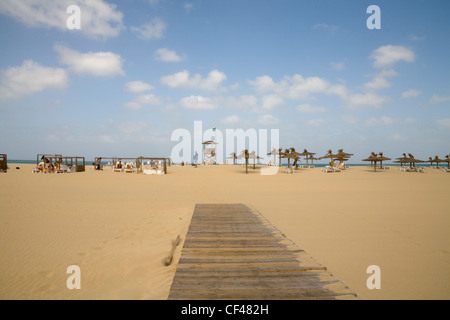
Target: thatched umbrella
[447, 159]
[280, 154]
[253, 156]
[274, 153]
[311, 158]
[244, 155]
[233, 156]
[288, 155]
[343, 156]
[408, 159]
[307, 155]
[402, 160]
[382, 158]
[374, 158]
[329, 155]
[296, 156]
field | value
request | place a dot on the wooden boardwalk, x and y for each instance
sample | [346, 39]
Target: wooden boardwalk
[233, 253]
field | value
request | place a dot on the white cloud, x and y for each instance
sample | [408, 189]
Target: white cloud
[154, 29]
[383, 121]
[380, 80]
[411, 93]
[307, 108]
[364, 101]
[339, 66]
[443, 123]
[102, 64]
[199, 103]
[132, 127]
[316, 123]
[184, 80]
[295, 87]
[268, 120]
[350, 119]
[388, 121]
[271, 101]
[413, 37]
[263, 84]
[396, 137]
[435, 99]
[326, 27]
[30, 78]
[231, 120]
[167, 55]
[386, 56]
[144, 99]
[98, 18]
[138, 86]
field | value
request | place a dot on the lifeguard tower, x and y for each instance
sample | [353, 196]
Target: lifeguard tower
[209, 152]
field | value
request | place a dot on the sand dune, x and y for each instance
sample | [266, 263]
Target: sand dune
[118, 227]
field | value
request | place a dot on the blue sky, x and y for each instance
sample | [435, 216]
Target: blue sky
[139, 69]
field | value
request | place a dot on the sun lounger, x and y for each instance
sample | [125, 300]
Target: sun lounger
[327, 169]
[129, 168]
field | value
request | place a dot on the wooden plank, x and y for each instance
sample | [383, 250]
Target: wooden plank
[233, 252]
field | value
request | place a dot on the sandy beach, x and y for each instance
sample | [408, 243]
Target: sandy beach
[119, 227]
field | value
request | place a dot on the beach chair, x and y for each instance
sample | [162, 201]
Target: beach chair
[327, 169]
[129, 167]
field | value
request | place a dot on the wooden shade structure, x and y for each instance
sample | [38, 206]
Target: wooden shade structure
[209, 152]
[141, 159]
[69, 161]
[3, 162]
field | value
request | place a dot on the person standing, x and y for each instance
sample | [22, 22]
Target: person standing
[99, 164]
[195, 158]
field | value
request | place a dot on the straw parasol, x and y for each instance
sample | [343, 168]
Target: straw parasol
[233, 156]
[289, 155]
[308, 155]
[311, 158]
[382, 158]
[402, 160]
[447, 159]
[274, 153]
[296, 156]
[343, 156]
[244, 155]
[408, 159]
[436, 159]
[374, 158]
[329, 155]
[253, 156]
